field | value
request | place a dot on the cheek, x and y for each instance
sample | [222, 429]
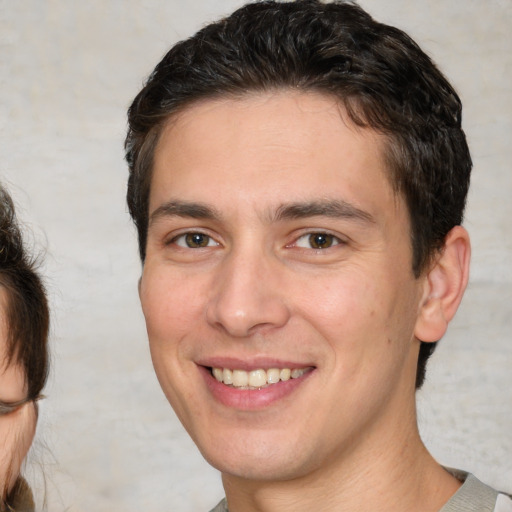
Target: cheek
[171, 305]
[16, 432]
[366, 319]
[342, 303]
[12, 383]
[169, 311]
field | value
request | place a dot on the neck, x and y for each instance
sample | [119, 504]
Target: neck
[392, 473]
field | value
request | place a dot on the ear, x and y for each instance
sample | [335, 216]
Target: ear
[444, 286]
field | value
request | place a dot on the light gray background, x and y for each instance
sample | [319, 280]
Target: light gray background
[107, 439]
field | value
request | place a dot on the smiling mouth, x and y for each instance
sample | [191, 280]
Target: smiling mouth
[256, 379]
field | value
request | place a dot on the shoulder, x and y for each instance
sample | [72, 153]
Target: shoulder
[222, 506]
[475, 496]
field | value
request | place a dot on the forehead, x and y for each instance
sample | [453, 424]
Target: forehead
[265, 146]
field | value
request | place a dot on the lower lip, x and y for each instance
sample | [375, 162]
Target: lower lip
[251, 399]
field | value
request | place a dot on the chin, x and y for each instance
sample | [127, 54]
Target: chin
[257, 470]
[258, 460]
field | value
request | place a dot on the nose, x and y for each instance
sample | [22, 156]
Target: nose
[247, 296]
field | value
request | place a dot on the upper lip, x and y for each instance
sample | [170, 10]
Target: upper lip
[248, 365]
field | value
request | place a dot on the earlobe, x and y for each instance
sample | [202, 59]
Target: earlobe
[444, 286]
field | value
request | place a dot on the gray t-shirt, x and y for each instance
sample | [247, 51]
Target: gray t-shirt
[472, 496]
[475, 496]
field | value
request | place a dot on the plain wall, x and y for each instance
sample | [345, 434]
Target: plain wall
[107, 439]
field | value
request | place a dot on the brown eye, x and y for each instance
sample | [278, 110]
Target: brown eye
[195, 240]
[318, 240]
[321, 240]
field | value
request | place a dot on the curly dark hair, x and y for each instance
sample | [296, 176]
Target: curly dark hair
[376, 72]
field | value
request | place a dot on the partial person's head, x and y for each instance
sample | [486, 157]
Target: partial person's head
[298, 174]
[24, 321]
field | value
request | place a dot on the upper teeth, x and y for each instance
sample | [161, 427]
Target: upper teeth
[256, 378]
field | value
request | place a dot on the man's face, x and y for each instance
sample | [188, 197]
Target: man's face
[276, 245]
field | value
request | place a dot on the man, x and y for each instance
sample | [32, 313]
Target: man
[298, 176]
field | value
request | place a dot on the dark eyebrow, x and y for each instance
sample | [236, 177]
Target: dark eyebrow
[335, 209]
[183, 209]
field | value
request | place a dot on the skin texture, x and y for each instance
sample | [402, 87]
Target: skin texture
[17, 428]
[256, 177]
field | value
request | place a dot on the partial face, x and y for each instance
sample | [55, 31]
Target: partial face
[277, 289]
[16, 428]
